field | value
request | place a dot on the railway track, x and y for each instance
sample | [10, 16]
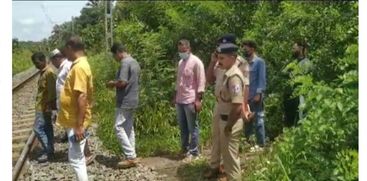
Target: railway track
[23, 138]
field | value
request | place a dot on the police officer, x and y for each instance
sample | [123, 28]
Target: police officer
[215, 74]
[231, 97]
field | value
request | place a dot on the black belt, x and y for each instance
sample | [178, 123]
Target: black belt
[224, 117]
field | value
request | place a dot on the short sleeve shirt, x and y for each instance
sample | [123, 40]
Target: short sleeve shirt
[232, 89]
[79, 79]
[128, 97]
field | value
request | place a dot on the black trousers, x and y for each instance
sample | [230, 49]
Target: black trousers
[291, 113]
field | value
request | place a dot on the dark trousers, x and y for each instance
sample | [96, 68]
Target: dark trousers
[291, 114]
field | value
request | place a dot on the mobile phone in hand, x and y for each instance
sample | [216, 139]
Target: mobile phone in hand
[73, 137]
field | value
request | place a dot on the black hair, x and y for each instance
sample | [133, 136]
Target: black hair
[303, 44]
[184, 42]
[75, 43]
[118, 47]
[39, 56]
[250, 43]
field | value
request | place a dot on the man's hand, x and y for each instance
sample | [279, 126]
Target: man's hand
[197, 105]
[110, 84]
[257, 98]
[228, 130]
[214, 58]
[79, 133]
[246, 116]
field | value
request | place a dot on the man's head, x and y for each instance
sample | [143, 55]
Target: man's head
[56, 58]
[73, 48]
[118, 50]
[248, 48]
[39, 60]
[299, 49]
[227, 54]
[184, 49]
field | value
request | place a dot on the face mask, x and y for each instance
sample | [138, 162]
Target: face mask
[184, 55]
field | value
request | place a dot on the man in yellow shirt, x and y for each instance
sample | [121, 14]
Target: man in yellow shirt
[45, 103]
[75, 103]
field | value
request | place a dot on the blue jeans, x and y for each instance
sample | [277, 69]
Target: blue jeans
[124, 129]
[44, 131]
[189, 126]
[257, 124]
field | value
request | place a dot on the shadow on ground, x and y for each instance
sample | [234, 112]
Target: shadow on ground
[108, 161]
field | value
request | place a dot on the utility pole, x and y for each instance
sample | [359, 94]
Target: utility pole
[72, 25]
[108, 24]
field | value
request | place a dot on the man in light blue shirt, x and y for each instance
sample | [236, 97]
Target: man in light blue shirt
[256, 93]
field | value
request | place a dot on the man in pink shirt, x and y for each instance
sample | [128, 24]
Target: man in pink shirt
[190, 84]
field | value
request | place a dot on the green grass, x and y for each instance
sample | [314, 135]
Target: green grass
[193, 170]
[21, 61]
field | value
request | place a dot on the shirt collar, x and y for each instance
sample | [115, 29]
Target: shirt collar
[127, 57]
[253, 58]
[230, 71]
[63, 63]
[44, 69]
[79, 59]
[300, 59]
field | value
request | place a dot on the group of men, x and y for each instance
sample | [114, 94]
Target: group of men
[240, 85]
[69, 93]
[239, 89]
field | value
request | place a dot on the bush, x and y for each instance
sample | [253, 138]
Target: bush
[318, 149]
[21, 60]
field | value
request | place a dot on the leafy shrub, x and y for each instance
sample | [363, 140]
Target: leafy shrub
[21, 60]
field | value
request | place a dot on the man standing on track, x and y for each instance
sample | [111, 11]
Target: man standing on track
[45, 103]
[75, 102]
[63, 65]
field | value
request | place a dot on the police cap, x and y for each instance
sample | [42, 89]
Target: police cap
[227, 38]
[227, 48]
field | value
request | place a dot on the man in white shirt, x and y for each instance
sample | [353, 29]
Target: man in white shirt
[63, 65]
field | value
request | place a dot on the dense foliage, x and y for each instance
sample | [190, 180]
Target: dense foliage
[324, 146]
[22, 52]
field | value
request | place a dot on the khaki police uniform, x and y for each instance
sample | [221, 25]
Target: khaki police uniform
[231, 92]
[242, 64]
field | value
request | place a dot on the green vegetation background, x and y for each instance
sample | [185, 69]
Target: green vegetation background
[323, 147]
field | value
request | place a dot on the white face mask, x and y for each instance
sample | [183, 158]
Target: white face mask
[184, 55]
